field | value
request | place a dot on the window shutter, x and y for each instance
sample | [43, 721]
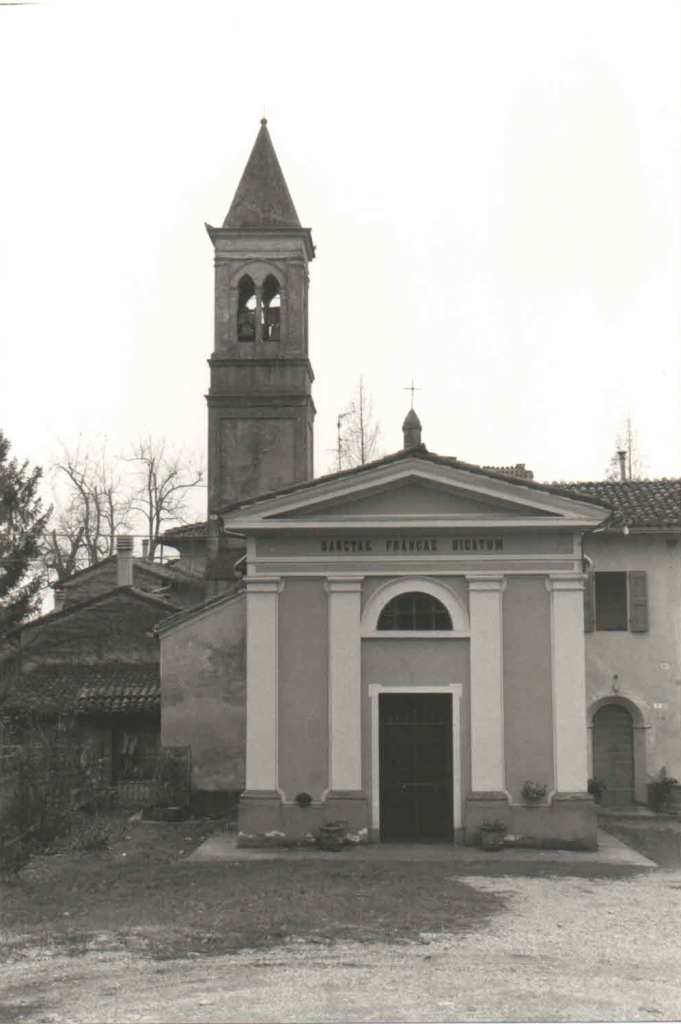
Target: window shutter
[589, 602]
[638, 602]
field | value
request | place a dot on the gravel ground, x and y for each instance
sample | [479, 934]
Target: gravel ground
[564, 948]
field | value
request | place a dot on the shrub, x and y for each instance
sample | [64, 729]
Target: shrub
[172, 776]
[660, 790]
[90, 835]
[42, 784]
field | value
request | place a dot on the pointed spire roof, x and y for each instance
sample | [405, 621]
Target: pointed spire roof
[262, 199]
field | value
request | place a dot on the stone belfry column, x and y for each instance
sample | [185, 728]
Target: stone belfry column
[485, 593]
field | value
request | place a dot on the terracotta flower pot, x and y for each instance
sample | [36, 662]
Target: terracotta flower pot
[491, 839]
[332, 837]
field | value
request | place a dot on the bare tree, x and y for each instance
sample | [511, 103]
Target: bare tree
[93, 502]
[626, 462]
[359, 433]
[165, 478]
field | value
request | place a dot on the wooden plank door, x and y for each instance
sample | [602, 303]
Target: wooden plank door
[415, 757]
[613, 754]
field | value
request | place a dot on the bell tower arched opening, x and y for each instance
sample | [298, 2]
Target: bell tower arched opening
[246, 312]
[271, 309]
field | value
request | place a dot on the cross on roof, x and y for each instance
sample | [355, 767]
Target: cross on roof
[412, 387]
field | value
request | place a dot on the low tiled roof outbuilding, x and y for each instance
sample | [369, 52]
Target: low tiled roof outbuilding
[86, 689]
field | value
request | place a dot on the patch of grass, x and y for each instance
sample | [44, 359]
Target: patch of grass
[167, 910]
[657, 839]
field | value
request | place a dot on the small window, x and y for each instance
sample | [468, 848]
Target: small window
[414, 611]
[611, 601]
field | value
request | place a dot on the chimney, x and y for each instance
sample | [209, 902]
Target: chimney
[411, 429]
[58, 599]
[622, 457]
[124, 560]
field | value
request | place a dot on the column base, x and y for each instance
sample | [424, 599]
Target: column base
[481, 807]
[567, 822]
[266, 820]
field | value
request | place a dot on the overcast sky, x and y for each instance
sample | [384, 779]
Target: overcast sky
[493, 187]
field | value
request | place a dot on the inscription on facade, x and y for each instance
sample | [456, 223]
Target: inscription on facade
[410, 545]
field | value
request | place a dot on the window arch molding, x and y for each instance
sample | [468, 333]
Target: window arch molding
[410, 584]
[258, 271]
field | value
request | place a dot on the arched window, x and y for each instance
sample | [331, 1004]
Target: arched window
[271, 309]
[246, 312]
[416, 611]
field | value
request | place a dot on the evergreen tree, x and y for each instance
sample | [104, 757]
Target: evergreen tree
[22, 522]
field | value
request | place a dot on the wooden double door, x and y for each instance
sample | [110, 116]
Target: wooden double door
[415, 759]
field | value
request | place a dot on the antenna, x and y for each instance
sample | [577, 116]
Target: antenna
[339, 448]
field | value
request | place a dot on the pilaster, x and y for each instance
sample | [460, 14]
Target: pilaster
[568, 683]
[485, 593]
[262, 596]
[345, 680]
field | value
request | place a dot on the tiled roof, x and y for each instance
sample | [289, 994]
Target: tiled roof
[86, 689]
[517, 471]
[166, 571]
[190, 530]
[417, 452]
[119, 594]
[651, 504]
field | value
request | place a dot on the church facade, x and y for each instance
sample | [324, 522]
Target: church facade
[399, 646]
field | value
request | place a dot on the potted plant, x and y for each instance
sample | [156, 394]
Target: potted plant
[596, 788]
[660, 791]
[533, 792]
[303, 799]
[492, 834]
[332, 835]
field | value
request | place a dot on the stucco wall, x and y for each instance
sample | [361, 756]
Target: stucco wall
[415, 663]
[303, 688]
[647, 665]
[203, 693]
[528, 730]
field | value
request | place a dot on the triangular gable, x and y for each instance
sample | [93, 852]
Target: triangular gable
[415, 491]
[413, 497]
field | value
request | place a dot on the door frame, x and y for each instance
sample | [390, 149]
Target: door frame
[641, 725]
[455, 690]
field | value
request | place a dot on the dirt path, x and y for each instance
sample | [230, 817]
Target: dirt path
[564, 948]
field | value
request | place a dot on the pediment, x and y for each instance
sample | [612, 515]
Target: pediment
[414, 491]
[412, 498]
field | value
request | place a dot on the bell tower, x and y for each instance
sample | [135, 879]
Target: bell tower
[260, 408]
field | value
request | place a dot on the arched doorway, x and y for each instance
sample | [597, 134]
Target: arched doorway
[613, 754]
